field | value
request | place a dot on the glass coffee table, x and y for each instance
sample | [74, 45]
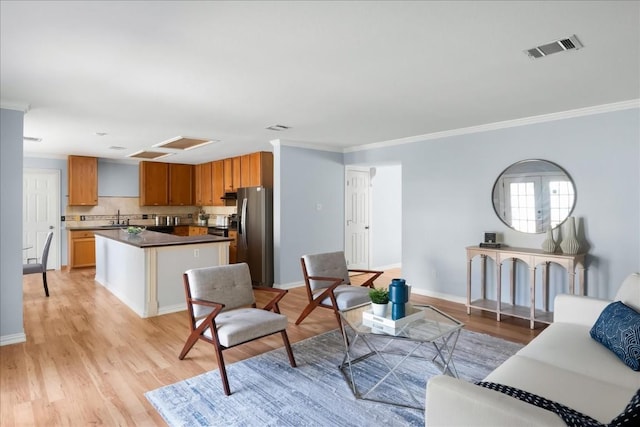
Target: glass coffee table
[386, 350]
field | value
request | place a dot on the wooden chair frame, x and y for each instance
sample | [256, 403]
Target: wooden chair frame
[197, 333]
[328, 292]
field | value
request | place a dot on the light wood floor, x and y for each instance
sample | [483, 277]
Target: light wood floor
[88, 359]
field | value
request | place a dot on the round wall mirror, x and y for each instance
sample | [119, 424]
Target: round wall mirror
[533, 195]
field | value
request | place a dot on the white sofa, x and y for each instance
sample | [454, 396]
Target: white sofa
[563, 364]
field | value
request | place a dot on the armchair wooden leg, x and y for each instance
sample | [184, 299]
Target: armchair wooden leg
[307, 310]
[223, 371]
[287, 345]
[193, 338]
[44, 280]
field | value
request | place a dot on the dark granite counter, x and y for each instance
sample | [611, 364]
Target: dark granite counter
[152, 239]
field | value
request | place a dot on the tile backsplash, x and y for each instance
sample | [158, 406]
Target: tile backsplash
[105, 212]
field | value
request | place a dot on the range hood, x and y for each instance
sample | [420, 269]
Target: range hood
[230, 196]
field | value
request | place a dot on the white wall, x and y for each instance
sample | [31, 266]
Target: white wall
[11, 134]
[386, 216]
[451, 180]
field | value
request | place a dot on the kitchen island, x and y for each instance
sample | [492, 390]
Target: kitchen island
[145, 271]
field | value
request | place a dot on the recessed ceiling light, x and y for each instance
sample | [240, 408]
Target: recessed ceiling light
[31, 139]
[116, 147]
[185, 143]
[101, 133]
[149, 155]
[278, 128]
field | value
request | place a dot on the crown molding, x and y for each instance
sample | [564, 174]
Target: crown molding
[17, 106]
[299, 144]
[579, 112]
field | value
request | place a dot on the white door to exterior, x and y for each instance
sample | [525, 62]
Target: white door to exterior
[41, 214]
[357, 218]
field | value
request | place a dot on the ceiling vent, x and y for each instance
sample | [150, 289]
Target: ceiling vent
[278, 128]
[31, 139]
[562, 45]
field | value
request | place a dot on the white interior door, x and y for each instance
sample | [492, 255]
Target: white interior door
[40, 214]
[357, 195]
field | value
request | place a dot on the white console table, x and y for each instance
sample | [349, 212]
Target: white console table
[533, 258]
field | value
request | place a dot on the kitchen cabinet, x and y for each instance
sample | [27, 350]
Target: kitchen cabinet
[233, 247]
[154, 180]
[180, 184]
[166, 184]
[203, 184]
[82, 249]
[217, 172]
[231, 174]
[82, 181]
[256, 169]
[198, 231]
[189, 230]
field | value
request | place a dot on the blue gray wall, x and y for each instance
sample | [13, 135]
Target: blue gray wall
[11, 134]
[307, 178]
[446, 203]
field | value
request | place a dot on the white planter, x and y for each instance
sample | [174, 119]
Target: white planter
[379, 309]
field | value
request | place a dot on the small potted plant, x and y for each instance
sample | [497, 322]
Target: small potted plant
[379, 301]
[203, 217]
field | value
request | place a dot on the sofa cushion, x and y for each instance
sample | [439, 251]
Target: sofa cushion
[569, 346]
[597, 399]
[618, 329]
[629, 292]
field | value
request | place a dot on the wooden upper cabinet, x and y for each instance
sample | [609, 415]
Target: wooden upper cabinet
[197, 185]
[217, 172]
[235, 177]
[257, 169]
[202, 176]
[83, 181]
[180, 184]
[154, 184]
[228, 175]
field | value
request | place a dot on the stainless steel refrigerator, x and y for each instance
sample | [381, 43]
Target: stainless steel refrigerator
[255, 233]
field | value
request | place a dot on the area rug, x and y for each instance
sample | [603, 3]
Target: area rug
[266, 391]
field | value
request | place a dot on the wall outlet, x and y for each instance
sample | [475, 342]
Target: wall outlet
[196, 253]
[82, 218]
[62, 218]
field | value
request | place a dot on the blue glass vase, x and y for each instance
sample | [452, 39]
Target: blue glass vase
[398, 295]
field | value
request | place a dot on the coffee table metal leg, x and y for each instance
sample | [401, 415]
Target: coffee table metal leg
[446, 349]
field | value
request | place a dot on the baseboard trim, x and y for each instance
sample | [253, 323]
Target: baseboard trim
[172, 309]
[13, 339]
[290, 285]
[439, 295]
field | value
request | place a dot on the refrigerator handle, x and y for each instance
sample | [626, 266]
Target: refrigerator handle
[243, 221]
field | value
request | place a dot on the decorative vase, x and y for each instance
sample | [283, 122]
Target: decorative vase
[570, 244]
[398, 295]
[379, 309]
[549, 245]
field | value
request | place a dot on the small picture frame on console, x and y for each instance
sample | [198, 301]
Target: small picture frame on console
[490, 240]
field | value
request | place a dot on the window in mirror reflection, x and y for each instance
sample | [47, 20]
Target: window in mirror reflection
[532, 195]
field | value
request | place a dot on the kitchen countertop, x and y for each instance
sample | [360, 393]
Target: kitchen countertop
[121, 226]
[152, 239]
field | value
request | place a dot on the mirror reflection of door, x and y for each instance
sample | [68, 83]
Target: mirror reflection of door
[532, 196]
[357, 218]
[527, 197]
